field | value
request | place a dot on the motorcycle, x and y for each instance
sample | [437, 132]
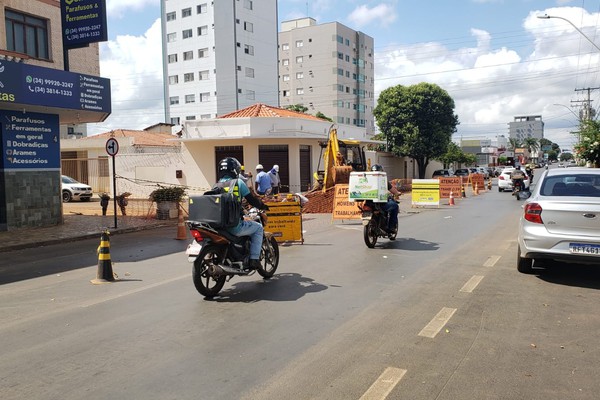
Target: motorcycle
[218, 255]
[519, 190]
[374, 220]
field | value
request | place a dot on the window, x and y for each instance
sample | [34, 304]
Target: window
[171, 37]
[285, 78]
[204, 97]
[186, 12]
[299, 43]
[205, 116]
[203, 53]
[175, 120]
[203, 30]
[26, 34]
[249, 26]
[202, 8]
[190, 118]
[340, 71]
[286, 93]
[299, 75]
[187, 34]
[300, 91]
[203, 75]
[174, 100]
[172, 58]
[340, 55]
[299, 60]
[190, 98]
[285, 46]
[285, 61]
[249, 94]
[173, 79]
[188, 55]
[248, 4]
[172, 16]
[340, 88]
[249, 49]
[249, 72]
[188, 77]
[339, 39]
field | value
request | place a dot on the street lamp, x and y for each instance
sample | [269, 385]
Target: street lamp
[546, 16]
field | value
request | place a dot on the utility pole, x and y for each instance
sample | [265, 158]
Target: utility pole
[587, 106]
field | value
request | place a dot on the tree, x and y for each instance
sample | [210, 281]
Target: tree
[319, 114]
[552, 155]
[455, 154]
[417, 121]
[298, 108]
[531, 144]
[514, 143]
[588, 147]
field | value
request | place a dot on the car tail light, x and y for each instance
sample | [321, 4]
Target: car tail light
[533, 213]
[501, 177]
[196, 235]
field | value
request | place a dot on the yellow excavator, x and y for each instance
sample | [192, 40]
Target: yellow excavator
[340, 158]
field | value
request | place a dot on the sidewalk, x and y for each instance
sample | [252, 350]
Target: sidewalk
[79, 223]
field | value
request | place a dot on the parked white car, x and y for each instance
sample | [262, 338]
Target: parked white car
[74, 190]
[505, 183]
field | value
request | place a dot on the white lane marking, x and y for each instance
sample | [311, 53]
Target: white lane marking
[491, 261]
[471, 284]
[386, 382]
[437, 323]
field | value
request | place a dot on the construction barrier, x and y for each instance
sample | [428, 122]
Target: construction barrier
[105, 273]
[343, 208]
[285, 221]
[425, 192]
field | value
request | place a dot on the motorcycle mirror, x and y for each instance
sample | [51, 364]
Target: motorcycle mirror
[525, 195]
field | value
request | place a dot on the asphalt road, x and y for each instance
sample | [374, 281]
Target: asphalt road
[440, 313]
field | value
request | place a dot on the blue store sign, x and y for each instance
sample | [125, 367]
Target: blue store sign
[32, 85]
[30, 141]
[83, 22]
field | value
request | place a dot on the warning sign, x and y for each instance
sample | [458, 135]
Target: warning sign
[285, 221]
[448, 184]
[425, 192]
[343, 208]
[477, 180]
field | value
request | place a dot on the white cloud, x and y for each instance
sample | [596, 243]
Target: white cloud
[134, 66]
[383, 14]
[117, 8]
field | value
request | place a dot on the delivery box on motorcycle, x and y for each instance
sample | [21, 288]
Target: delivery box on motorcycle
[218, 208]
[372, 185]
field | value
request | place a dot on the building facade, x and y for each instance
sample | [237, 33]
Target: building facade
[524, 127]
[218, 57]
[328, 68]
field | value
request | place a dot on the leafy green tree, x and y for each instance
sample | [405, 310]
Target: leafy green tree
[297, 107]
[552, 155]
[588, 148]
[514, 143]
[417, 121]
[566, 156]
[454, 154]
[532, 144]
[319, 114]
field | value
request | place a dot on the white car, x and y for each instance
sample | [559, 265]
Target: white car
[74, 190]
[505, 183]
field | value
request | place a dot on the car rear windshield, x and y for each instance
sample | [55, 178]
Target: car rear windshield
[584, 185]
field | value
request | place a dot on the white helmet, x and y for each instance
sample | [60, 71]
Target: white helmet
[259, 166]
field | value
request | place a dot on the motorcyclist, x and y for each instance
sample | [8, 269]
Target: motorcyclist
[391, 207]
[517, 176]
[529, 173]
[230, 168]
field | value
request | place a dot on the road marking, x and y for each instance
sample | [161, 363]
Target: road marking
[471, 284]
[438, 322]
[491, 261]
[386, 382]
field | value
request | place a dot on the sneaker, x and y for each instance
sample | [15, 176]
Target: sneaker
[254, 264]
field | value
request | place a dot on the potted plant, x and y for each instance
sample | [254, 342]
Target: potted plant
[167, 200]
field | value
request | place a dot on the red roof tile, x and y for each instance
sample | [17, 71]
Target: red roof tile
[263, 110]
[140, 138]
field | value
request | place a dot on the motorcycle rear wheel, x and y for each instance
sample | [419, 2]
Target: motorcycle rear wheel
[370, 233]
[206, 284]
[269, 258]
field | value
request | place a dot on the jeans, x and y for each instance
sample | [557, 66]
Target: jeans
[391, 208]
[255, 231]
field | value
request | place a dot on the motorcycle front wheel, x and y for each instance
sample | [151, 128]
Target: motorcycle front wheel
[206, 284]
[269, 257]
[370, 233]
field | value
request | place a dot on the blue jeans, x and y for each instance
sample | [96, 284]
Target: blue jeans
[391, 208]
[255, 231]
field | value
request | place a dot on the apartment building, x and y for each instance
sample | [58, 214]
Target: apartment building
[31, 34]
[219, 57]
[528, 126]
[328, 68]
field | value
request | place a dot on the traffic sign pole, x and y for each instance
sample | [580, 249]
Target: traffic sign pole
[112, 148]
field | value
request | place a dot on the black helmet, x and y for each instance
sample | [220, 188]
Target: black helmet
[376, 167]
[229, 166]
[518, 167]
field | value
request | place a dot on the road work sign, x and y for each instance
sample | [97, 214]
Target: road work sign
[343, 208]
[448, 185]
[285, 221]
[425, 192]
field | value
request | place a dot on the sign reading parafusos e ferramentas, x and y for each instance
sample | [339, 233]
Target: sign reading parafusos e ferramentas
[83, 22]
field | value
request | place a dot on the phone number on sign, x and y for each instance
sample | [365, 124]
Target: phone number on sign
[60, 92]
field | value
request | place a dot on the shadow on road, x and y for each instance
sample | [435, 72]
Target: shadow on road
[410, 244]
[577, 275]
[281, 287]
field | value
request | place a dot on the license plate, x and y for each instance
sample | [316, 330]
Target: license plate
[583, 248]
[366, 217]
[193, 250]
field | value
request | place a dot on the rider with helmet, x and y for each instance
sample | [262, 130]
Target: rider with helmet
[230, 168]
[517, 176]
[391, 207]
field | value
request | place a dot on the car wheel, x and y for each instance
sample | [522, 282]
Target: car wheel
[66, 196]
[524, 265]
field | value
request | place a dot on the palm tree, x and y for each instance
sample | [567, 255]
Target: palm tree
[532, 145]
[514, 143]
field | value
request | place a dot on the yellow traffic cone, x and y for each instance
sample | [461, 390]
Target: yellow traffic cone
[105, 273]
[490, 183]
[476, 192]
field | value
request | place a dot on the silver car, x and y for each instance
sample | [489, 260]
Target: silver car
[561, 219]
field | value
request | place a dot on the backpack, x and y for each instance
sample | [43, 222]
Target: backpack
[220, 207]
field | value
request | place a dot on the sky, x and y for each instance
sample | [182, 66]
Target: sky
[495, 58]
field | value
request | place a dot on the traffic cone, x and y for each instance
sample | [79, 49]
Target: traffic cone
[105, 273]
[463, 191]
[451, 199]
[490, 184]
[476, 192]
[181, 231]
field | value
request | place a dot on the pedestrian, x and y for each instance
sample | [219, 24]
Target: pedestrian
[275, 181]
[263, 181]
[245, 176]
[104, 199]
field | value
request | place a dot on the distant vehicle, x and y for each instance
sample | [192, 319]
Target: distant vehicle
[561, 165]
[560, 219]
[505, 183]
[74, 190]
[462, 172]
[499, 169]
[442, 173]
[483, 171]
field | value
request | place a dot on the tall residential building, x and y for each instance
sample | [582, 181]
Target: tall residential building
[526, 127]
[219, 56]
[328, 68]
